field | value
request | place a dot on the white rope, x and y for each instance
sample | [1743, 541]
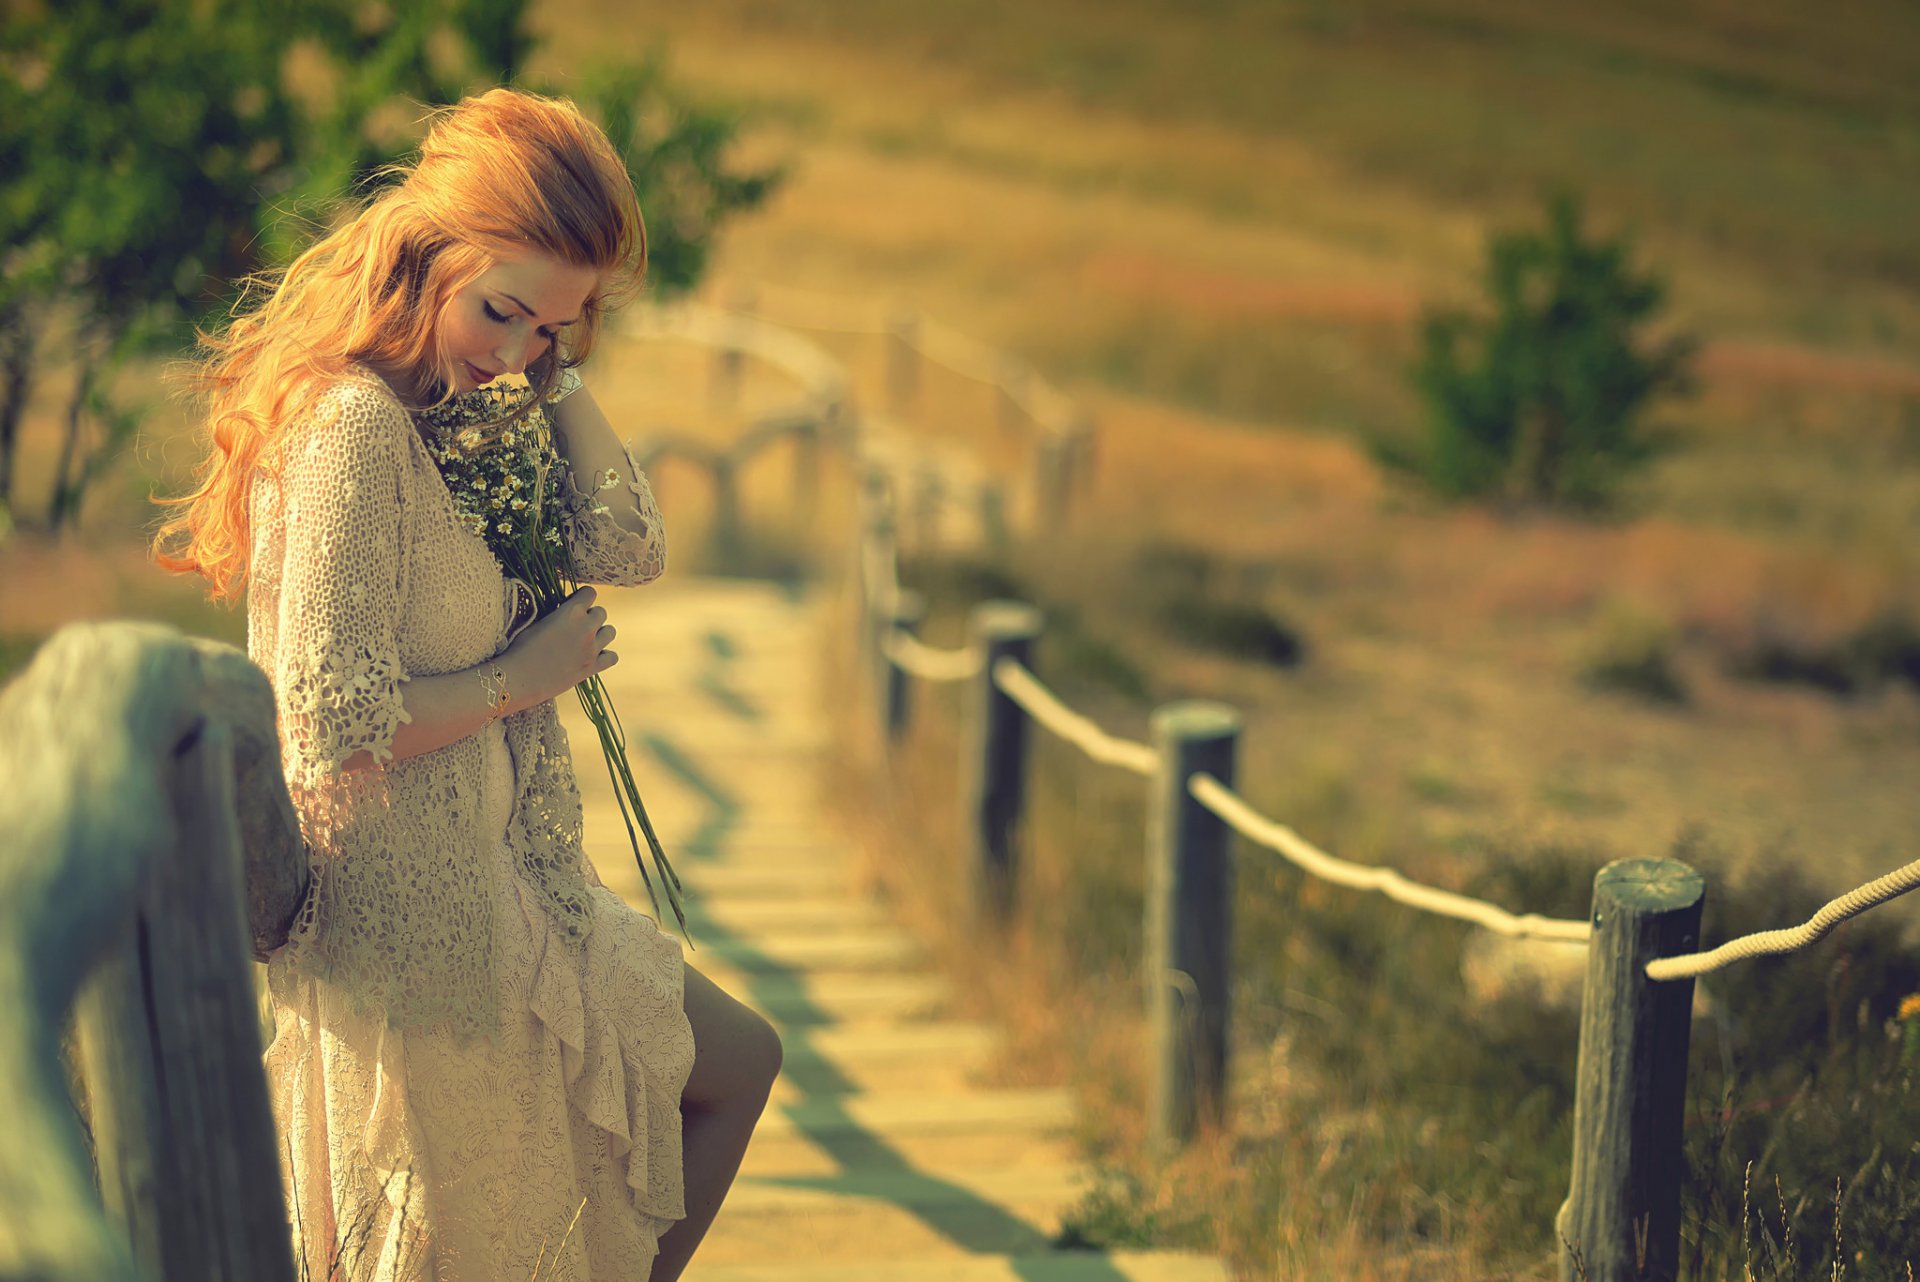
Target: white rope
[914, 656]
[1852, 904]
[1041, 704]
[1215, 796]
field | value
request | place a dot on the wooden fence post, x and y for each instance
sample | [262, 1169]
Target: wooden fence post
[1083, 450]
[929, 498]
[909, 610]
[871, 501]
[995, 764]
[1622, 1215]
[1010, 396]
[993, 517]
[1189, 922]
[727, 542]
[903, 362]
[882, 536]
[806, 477]
[1050, 483]
[124, 824]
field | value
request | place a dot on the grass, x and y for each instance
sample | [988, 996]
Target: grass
[1379, 1106]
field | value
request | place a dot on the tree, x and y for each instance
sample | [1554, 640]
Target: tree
[1542, 403]
[152, 151]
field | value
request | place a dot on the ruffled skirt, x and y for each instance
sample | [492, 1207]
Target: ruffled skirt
[553, 1155]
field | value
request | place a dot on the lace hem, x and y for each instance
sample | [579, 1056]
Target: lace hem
[339, 698]
[605, 551]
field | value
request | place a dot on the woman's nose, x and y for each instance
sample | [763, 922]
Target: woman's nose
[515, 356]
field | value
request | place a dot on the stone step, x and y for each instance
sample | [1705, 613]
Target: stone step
[867, 1217]
[1051, 1266]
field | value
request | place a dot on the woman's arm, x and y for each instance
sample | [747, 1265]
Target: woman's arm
[612, 523]
[446, 707]
[583, 435]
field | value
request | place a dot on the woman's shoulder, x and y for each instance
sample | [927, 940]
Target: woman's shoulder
[353, 406]
[344, 424]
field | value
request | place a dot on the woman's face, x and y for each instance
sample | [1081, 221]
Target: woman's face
[509, 316]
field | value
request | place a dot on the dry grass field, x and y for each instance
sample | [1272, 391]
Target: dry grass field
[1216, 226]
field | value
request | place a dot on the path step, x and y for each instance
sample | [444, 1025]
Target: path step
[1052, 1266]
[806, 1001]
[835, 1152]
[853, 949]
[1045, 1109]
[866, 1217]
[829, 1060]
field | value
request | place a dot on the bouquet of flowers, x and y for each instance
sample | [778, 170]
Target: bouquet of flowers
[505, 483]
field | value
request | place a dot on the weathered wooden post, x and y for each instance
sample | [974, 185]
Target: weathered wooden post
[1189, 922]
[903, 362]
[1622, 1216]
[872, 499]
[806, 476]
[727, 542]
[1083, 440]
[1050, 483]
[909, 611]
[1010, 400]
[995, 761]
[929, 498]
[120, 854]
[993, 517]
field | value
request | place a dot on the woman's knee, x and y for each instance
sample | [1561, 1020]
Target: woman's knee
[737, 1052]
[770, 1051]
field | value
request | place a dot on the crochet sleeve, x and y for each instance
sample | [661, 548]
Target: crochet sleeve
[345, 484]
[604, 551]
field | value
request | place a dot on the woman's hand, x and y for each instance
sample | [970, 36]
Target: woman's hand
[558, 652]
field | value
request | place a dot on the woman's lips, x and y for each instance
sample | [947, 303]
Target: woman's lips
[479, 375]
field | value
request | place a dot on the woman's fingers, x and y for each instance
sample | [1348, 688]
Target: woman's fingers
[604, 635]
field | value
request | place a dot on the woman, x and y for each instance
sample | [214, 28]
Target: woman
[485, 1064]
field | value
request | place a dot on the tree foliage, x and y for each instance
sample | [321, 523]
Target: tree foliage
[1543, 402]
[154, 151]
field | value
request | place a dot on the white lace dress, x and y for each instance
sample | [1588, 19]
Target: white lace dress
[479, 1050]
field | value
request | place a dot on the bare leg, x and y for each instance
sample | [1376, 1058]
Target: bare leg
[736, 1056]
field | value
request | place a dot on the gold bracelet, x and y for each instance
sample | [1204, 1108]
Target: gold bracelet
[494, 681]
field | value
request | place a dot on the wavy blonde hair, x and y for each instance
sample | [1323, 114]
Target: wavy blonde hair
[498, 176]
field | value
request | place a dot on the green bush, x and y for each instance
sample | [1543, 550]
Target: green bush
[1541, 403]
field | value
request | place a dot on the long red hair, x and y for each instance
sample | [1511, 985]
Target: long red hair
[498, 176]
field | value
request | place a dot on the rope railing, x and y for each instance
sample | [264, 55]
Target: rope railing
[1046, 708]
[1215, 796]
[1637, 998]
[929, 663]
[1768, 942]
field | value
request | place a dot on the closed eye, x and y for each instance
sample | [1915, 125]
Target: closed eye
[496, 317]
